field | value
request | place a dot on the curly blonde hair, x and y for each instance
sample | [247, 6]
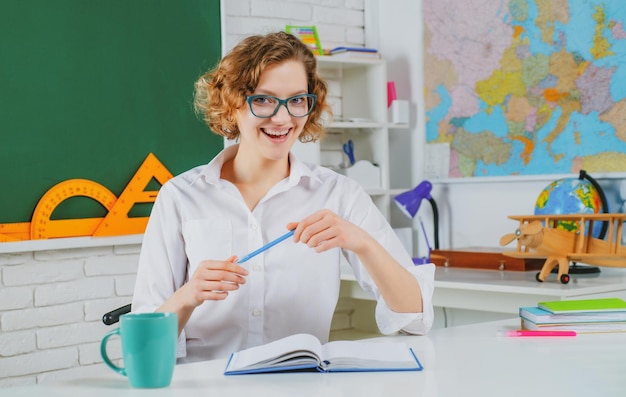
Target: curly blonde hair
[222, 90]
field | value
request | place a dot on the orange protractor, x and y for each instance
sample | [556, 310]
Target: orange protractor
[43, 227]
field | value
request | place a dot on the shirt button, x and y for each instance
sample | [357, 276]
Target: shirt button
[254, 227]
[256, 312]
[256, 268]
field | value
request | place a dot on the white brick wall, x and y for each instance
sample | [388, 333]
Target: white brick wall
[52, 302]
[338, 22]
[51, 306]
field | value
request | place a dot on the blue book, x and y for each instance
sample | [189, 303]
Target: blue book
[337, 50]
[538, 315]
[305, 352]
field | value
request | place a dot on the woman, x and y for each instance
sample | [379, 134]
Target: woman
[266, 94]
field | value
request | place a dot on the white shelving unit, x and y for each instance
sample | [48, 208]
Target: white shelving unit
[358, 96]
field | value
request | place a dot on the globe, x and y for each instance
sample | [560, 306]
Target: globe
[570, 196]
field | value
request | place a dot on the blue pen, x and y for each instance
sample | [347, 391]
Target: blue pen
[266, 247]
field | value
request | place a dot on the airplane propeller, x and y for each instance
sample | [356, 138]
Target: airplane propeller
[524, 230]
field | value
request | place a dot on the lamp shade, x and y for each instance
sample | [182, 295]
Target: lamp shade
[409, 201]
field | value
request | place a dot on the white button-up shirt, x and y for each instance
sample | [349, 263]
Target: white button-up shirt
[290, 288]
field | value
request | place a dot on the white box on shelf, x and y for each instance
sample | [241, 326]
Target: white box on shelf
[366, 173]
[399, 112]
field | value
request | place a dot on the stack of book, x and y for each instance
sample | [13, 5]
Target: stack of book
[582, 316]
[358, 52]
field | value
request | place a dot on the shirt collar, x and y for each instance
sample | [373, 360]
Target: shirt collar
[211, 173]
[300, 170]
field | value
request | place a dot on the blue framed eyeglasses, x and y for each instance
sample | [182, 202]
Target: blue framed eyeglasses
[264, 106]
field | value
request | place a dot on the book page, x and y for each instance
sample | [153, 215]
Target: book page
[292, 350]
[373, 355]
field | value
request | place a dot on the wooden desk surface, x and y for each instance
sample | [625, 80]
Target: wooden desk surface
[458, 361]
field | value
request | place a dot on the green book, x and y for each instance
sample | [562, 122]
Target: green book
[585, 305]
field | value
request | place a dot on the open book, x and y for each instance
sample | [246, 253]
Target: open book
[305, 352]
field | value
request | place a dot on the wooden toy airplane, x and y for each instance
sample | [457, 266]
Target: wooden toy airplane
[539, 236]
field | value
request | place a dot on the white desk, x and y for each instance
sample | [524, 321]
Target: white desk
[458, 361]
[506, 291]
[499, 294]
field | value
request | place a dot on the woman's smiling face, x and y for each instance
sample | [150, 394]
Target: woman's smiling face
[274, 136]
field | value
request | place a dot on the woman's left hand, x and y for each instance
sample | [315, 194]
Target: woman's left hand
[324, 230]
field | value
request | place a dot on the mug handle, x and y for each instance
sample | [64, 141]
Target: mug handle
[105, 357]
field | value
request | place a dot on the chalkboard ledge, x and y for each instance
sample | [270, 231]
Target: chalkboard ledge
[69, 243]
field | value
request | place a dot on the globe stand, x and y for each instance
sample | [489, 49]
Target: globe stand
[575, 268]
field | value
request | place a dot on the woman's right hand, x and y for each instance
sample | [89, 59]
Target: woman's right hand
[212, 280]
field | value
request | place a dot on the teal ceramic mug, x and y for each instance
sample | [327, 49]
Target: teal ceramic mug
[148, 348]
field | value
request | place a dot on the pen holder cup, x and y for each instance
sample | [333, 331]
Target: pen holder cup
[365, 173]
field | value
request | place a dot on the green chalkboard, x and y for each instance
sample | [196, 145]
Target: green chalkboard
[89, 88]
